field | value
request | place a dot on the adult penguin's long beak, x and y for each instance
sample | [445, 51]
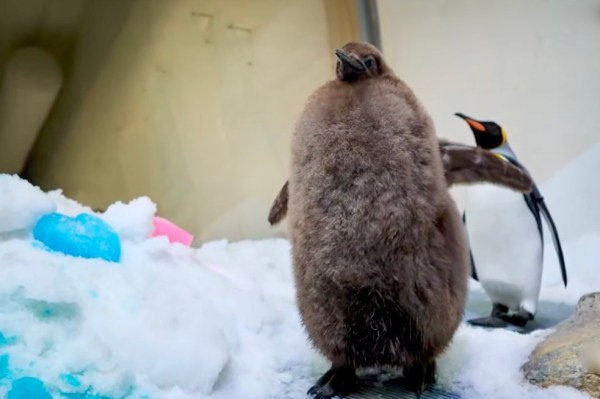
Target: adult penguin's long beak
[475, 125]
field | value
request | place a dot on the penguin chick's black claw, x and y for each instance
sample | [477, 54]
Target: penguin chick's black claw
[489, 322]
[417, 377]
[337, 382]
[430, 373]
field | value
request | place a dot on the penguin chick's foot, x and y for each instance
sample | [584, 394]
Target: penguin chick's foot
[518, 319]
[337, 382]
[418, 376]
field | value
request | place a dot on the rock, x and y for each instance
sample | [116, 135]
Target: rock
[571, 354]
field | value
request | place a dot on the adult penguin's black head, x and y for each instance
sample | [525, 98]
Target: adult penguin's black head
[488, 135]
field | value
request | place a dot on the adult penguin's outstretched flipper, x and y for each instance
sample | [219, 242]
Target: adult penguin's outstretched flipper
[543, 209]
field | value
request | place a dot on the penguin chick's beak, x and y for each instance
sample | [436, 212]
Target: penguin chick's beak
[475, 125]
[350, 63]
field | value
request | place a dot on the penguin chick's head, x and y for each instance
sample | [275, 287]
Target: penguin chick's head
[488, 135]
[358, 61]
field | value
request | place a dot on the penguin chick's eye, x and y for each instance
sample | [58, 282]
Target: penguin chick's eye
[369, 62]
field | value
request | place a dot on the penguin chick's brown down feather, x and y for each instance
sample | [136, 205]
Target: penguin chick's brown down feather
[379, 254]
[463, 164]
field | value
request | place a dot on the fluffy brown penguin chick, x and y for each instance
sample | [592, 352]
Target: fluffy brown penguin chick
[378, 247]
[463, 164]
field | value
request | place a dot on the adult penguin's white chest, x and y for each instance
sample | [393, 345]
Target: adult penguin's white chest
[505, 244]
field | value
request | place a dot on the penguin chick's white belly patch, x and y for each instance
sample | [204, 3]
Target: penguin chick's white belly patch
[505, 243]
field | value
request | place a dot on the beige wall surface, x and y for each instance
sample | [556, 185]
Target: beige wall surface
[532, 66]
[35, 40]
[49, 23]
[191, 102]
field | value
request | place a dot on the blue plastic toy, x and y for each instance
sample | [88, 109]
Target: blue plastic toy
[28, 388]
[85, 236]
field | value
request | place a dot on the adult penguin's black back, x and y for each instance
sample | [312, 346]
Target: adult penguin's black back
[379, 253]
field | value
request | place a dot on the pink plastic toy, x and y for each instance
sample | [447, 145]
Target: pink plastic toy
[163, 227]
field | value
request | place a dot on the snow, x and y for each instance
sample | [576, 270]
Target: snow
[22, 204]
[220, 321]
[167, 321]
[136, 226]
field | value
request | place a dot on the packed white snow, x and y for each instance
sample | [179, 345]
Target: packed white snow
[22, 204]
[218, 321]
[168, 321]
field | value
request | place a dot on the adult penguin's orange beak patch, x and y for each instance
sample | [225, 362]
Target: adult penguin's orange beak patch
[476, 125]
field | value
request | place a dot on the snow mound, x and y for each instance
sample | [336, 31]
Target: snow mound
[135, 226]
[21, 204]
[219, 321]
[167, 321]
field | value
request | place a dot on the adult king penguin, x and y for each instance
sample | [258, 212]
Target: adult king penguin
[505, 236]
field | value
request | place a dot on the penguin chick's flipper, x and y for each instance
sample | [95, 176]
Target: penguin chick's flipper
[465, 164]
[279, 207]
[419, 375]
[337, 382]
